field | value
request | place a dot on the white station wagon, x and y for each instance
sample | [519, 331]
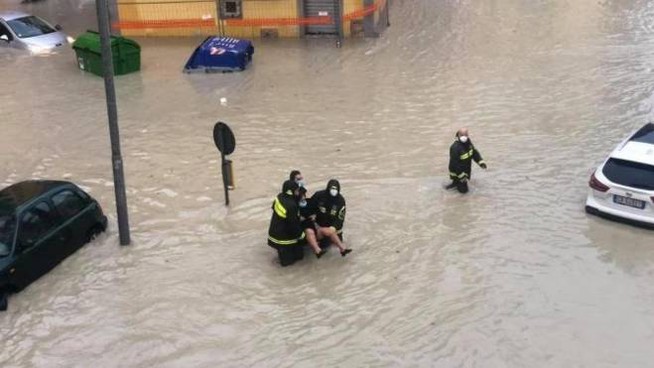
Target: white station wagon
[622, 188]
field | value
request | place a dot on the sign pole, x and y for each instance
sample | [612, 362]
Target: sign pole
[224, 140]
[223, 171]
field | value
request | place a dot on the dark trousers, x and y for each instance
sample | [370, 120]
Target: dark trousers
[461, 186]
[289, 254]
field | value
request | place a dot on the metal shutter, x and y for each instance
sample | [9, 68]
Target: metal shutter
[315, 8]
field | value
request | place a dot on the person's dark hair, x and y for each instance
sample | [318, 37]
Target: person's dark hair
[289, 185]
[294, 173]
[334, 183]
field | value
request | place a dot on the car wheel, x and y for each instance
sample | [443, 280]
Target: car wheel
[94, 232]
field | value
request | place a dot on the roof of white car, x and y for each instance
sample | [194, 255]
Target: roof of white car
[636, 151]
[11, 15]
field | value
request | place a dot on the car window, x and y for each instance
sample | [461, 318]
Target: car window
[7, 231]
[31, 26]
[35, 223]
[5, 32]
[629, 173]
[68, 203]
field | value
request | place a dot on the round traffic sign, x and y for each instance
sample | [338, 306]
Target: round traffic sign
[224, 138]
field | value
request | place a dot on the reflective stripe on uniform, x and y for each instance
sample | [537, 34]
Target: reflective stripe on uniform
[286, 242]
[460, 176]
[481, 162]
[467, 155]
[282, 242]
[279, 208]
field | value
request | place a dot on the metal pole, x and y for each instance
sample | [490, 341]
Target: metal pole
[223, 171]
[338, 18]
[114, 134]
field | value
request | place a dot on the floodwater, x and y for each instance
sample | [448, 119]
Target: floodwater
[514, 274]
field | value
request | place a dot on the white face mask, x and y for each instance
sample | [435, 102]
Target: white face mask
[333, 192]
[303, 203]
[300, 183]
[463, 138]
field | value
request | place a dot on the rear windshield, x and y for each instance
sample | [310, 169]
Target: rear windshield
[29, 27]
[629, 173]
[7, 230]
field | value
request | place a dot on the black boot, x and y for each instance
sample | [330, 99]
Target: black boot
[452, 185]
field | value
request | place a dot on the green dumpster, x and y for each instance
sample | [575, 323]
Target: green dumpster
[126, 54]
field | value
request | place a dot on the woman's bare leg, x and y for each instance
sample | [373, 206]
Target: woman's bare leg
[311, 239]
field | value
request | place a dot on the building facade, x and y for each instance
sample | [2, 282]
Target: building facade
[252, 18]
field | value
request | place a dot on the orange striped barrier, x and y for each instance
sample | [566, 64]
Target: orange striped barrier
[279, 21]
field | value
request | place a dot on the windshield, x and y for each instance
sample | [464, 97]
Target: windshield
[629, 173]
[29, 27]
[7, 230]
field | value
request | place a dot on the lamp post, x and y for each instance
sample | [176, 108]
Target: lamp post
[112, 112]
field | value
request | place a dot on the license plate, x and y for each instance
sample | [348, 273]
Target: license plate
[631, 202]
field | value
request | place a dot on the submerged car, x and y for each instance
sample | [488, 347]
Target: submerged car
[622, 188]
[41, 223]
[24, 31]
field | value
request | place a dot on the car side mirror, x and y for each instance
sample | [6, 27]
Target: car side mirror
[4, 38]
[58, 27]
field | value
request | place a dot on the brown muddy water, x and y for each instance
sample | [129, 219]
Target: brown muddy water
[514, 274]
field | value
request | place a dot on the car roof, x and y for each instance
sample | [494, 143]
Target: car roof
[12, 14]
[639, 147]
[14, 196]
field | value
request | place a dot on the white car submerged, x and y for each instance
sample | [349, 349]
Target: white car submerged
[622, 188]
[24, 31]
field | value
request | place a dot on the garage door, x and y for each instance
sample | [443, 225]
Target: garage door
[316, 8]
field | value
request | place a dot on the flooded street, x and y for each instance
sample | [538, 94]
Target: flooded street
[514, 274]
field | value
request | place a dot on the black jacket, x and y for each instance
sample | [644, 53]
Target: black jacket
[285, 229]
[308, 213]
[461, 156]
[330, 210]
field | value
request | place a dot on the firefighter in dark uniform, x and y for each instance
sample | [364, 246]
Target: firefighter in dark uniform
[285, 232]
[331, 214]
[462, 152]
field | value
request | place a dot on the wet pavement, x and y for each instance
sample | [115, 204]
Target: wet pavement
[514, 274]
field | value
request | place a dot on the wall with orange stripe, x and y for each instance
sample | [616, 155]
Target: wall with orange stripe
[281, 15]
[200, 17]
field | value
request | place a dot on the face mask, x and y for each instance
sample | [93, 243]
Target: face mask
[333, 192]
[300, 183]
[463, 138]
[303, 203]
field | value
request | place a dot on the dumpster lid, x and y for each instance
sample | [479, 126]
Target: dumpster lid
[91, 41]
[218, 45]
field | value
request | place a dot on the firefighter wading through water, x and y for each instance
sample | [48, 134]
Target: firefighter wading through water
[285, 232]
[462, 152]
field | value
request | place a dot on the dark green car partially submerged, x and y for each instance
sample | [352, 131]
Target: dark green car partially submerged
[41, 223]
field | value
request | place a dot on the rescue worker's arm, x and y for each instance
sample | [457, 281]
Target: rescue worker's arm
[457, 166]
[477, 157]
[293, 223]
[339, 219]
